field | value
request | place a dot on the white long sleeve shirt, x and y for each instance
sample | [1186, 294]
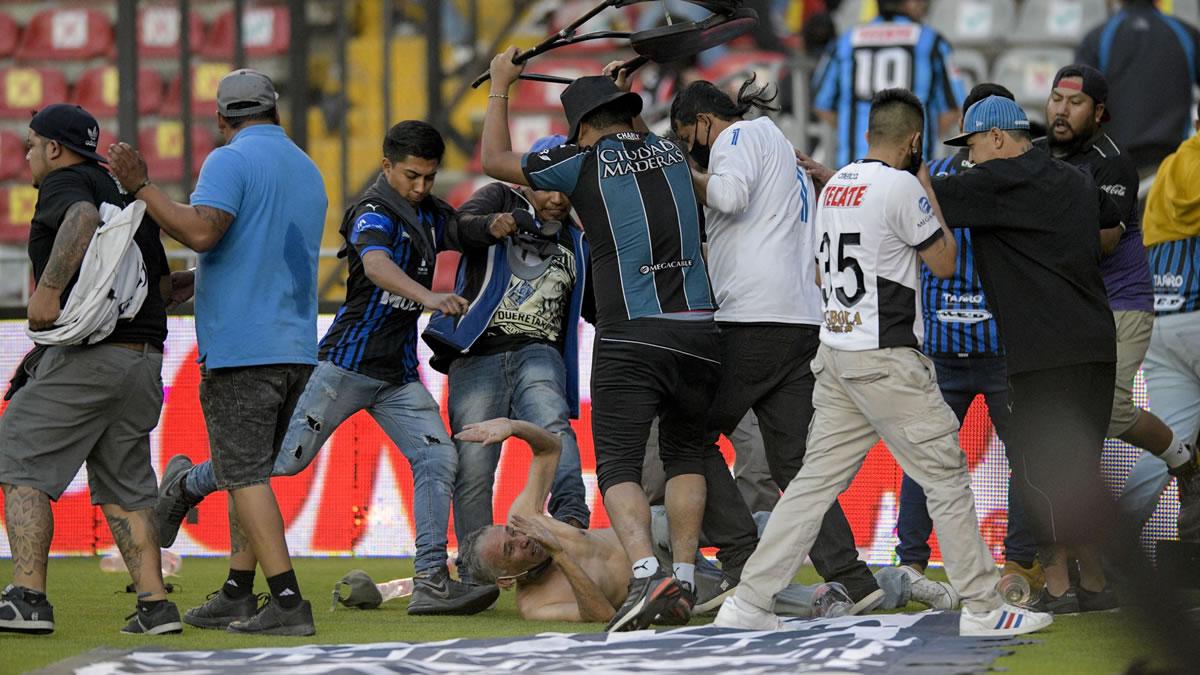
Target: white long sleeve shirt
[760, 217]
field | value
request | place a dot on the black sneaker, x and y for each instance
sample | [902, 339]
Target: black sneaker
[273, 619]
[1067, 603]
[1097, 601]
[173, 502]
[437, 594]
[18, 614]
[710, 598]
[679, 612]
[163, 619]
[220, 610]
[647, 598]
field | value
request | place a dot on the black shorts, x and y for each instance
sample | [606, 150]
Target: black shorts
[649, 368]
[247, 411]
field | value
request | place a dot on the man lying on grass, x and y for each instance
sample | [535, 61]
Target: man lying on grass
[562, 573]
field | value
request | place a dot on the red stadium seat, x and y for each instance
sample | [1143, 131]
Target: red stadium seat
[158, 31]
[265, 31]
[97, 90]
[27, 89]
[205, 78]
[543, 97]
[12, 157]
[16, 210]
[161, 146]
[10, 34]
[445, 271]
[65, 35]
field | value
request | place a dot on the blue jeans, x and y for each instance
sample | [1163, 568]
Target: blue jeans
[410, 418]
[1172, 370]
[961, 380]
[527, 384]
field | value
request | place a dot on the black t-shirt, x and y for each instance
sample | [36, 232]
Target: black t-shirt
[89, 182]
[1034, 231]
[1151, 61]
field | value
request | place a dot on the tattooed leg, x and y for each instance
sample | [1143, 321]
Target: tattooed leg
[30, 526]
[241, 555]
[137, 538]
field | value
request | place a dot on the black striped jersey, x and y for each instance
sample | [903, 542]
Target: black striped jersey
[633, 193]
[885, 54]
[957, 318]
[375, 332]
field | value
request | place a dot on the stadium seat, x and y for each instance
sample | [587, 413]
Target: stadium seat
[973, 22]
[543, 97]
[205, 78]
[65, 35]
[1058, 22]
[972, 67]
[265, 31]
[28, 89]
[98, 91]
[1188, 10]
[12, 157]
[162, 147]
[736, 67]
[10, 35]
[158, 31]
[16, 210]
[1029, 72]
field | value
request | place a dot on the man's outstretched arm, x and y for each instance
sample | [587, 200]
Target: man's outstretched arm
[590, 602]
[546, 449]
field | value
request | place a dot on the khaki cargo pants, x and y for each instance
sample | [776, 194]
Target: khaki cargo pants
[859, 397]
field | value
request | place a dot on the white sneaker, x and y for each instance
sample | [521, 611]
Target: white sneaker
[737, 614]
[1005, 621]
[932, 594]
[869, 603]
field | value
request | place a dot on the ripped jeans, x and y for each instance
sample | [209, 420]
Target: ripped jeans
[410, 418]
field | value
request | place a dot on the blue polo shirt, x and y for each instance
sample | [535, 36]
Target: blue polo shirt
[256, 290]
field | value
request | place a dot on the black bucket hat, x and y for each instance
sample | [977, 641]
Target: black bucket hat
[591, 93]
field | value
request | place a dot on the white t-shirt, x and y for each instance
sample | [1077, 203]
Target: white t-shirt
[759, 220]
[871, 221]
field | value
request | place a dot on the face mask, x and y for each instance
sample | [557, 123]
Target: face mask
[700, 153]
[917, 159]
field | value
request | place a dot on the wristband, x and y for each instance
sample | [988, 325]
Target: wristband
[140, 187]
[504, 96]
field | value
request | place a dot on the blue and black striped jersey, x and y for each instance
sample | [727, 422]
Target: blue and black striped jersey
[1176, 269]
[375, 332]
[885, 54]
[634, 196]
[957, 319]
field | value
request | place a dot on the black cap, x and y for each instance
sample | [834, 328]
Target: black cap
[589, 93]
[1095, 84]
[70, 125]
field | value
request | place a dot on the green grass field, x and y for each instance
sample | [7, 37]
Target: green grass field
[90, 607]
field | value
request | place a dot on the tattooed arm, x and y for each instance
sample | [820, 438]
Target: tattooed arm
[200, 228]
[70, 245]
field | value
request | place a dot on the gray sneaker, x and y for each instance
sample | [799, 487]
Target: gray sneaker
[435, 593]
[163, 619]
[19, 615]
[173, 502]
[220, 610]
[273, 619]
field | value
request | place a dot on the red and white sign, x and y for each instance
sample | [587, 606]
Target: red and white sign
[357, 498]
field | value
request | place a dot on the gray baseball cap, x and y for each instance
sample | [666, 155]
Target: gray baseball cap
[245, 92]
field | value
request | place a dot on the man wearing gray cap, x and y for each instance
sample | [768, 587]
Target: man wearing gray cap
[256, 217]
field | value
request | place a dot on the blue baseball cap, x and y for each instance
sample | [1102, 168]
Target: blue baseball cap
[993, 112]
[547, 142]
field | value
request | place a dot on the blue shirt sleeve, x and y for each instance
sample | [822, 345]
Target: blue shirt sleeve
[222, 181]
[372, 231]
[555, 169]
[826, 79]
[949, 87]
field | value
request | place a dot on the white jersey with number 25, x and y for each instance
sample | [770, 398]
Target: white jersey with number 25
[871, 222]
